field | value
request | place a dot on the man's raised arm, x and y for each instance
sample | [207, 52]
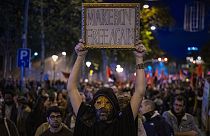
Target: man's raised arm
[73, 80]
[138, 95]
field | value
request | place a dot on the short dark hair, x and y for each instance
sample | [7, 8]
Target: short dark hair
[180, 98]
[149, 103]
[55, 109]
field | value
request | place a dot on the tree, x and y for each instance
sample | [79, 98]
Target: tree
[10, 33]
[62, 28]
[61, 24]
[205, 51]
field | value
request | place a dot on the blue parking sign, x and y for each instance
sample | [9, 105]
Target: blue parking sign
[24, 55]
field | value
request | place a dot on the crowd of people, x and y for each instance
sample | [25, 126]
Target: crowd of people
[89, 108]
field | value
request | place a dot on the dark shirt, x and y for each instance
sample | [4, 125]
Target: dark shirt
[86, 125]
[11, 126]
[63, 132]
[157, 126]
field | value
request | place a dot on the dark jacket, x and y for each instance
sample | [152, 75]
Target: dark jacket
[123, 123]
[157, 126]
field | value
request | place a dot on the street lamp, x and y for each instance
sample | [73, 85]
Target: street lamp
[146, 6]
[88, 63]
[36, 53]
[119, 69]
[153, 28]
[64, 60]
[63, 53]
[54, 58]
[165, 59]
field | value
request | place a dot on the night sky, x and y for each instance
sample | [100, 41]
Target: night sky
[174, 41]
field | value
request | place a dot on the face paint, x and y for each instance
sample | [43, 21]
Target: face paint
[103, 102]
[103, 108]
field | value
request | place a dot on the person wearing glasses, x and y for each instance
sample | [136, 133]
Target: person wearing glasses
[56, 127]
[182, 123]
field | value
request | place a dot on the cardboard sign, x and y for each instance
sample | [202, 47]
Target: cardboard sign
[110, 25]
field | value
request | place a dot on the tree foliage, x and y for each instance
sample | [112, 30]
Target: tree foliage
[205, 51]
[10, 28]
[61, 24]
[154, 16]
[10, 34]
[62, 27]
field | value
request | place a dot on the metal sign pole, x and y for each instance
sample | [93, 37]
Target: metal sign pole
[22, 81]
[24, 41]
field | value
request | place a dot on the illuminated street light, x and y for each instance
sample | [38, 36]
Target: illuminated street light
[119, 69]
[88, 63]
[64, 60]
[63, 53]
[54, 58]
[191, 59]
[165, 59]
[192, 48]
[199, 57]
[146, 6]
[153, 28]
[159, 59]
[36, 54]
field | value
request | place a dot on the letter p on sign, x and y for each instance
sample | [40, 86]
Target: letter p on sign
[24, 55]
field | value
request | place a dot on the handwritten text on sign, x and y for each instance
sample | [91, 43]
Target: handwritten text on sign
[110, 26]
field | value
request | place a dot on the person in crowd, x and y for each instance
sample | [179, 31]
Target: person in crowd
[62, 102]
[44, 126]
[30, 96]
[23, 112]
[54, 118]
[70, 117]
[7, 127]
[198, 107]
[182, 123]
[190, 99]
[102, 116]
[154, 123]
[11, 110]
[167, 96]
[38, 113]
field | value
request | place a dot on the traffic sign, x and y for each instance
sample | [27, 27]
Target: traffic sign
[24, 55]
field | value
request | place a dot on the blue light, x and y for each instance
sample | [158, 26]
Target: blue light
[149, 68]
[161, 64]
[192, 48]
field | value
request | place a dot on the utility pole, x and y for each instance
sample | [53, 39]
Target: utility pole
[24, 41]
[42, 44]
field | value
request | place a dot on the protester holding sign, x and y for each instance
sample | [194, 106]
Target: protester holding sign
[102, 117]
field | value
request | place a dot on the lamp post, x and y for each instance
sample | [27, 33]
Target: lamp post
[54, 58]
[64, 60]
[88, 64]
